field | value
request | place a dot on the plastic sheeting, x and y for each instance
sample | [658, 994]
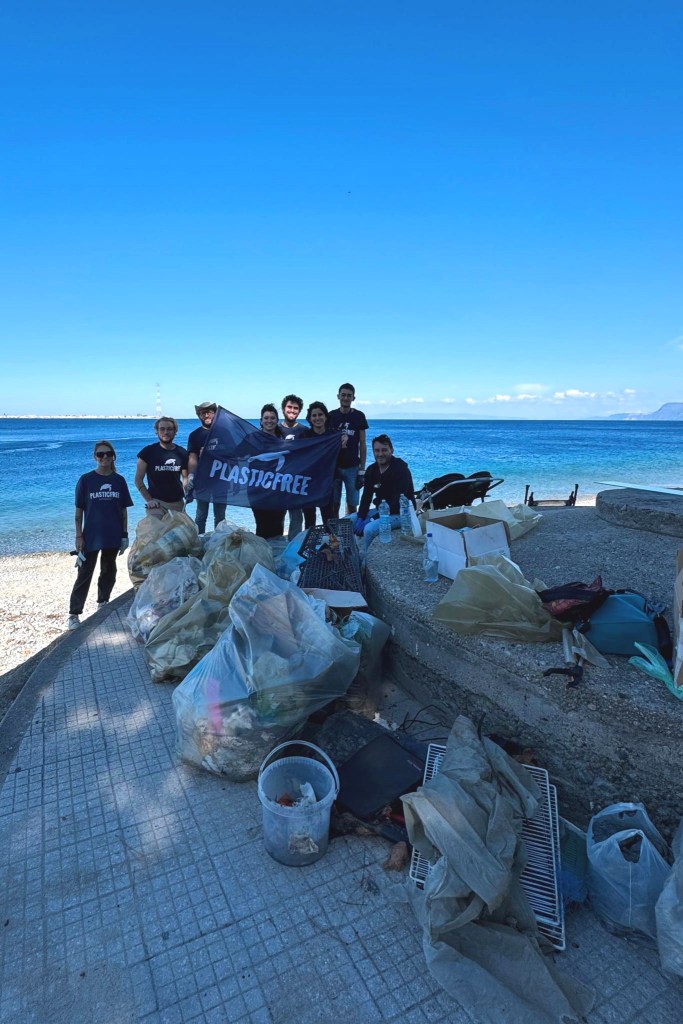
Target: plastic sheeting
[277, 663]
[165, 589]
[480, 936]
[159, 540]
[494, 599]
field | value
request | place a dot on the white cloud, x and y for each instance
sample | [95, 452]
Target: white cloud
[387, 401]
[530, 389]
[470, 401]
[448, 401]
[631, 391]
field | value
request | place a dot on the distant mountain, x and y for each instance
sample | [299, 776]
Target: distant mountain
[668, 411]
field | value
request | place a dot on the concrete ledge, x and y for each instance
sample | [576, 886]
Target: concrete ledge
[617, 736]
[642, 510]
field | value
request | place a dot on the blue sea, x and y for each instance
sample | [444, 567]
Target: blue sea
[41, 460]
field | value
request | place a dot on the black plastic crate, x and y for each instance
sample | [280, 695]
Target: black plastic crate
[342, 571]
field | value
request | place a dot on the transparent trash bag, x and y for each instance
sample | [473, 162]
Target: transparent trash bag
[669, 912]
[239, 545]
[165, 589]
[276, 663]
[184, 636]
[626, 868]
[159, 540]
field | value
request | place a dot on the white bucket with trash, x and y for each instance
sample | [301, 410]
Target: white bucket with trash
[297, 833]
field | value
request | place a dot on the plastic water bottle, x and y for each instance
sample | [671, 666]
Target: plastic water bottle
[384, 523]
[406, 525]
[430, 560]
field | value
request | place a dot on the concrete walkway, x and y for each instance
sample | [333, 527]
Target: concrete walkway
[135, 888]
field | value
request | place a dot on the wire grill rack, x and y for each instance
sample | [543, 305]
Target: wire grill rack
[541, 837]
[342, 572]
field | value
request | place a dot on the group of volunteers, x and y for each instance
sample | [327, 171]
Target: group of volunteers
[165, 472]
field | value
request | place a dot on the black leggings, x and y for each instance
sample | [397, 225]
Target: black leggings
[269, 522]
[326, 512]
[105, 583]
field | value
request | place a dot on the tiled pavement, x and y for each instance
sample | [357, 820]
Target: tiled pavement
[135, 888]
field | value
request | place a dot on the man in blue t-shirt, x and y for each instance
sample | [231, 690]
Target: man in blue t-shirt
[350, 470]
[102, 503]
[291, 431]
[195, 443]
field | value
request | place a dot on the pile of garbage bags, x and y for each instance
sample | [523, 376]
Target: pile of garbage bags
[181, 606]
[277, 662]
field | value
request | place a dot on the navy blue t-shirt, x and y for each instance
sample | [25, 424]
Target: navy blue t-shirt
[350, 425]
[197, 440]
[164, 466]
[295, 433]
[102, 497]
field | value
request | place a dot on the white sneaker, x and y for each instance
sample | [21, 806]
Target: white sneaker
[101, 604]
[74, 622]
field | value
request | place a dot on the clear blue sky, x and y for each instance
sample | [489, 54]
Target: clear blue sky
[461, 208]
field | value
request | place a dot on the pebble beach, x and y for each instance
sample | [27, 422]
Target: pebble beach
[34, 602]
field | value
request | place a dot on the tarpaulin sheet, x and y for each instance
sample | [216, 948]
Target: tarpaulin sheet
[480, 937]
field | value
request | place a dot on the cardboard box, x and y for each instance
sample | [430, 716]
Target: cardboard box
[461, 536]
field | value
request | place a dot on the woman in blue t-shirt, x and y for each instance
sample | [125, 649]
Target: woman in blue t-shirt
[102, 503]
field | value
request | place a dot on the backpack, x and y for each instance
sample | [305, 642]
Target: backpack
[574, 602]
[627, 618]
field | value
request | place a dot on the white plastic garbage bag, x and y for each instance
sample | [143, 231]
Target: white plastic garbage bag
[669, 912]
[372, 634]
[276, 664]
[626, 868]
[165, 589]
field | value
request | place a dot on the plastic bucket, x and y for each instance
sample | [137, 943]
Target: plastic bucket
[297, 835]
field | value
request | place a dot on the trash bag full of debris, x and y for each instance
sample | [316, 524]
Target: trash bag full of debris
[165, 589]
[158, 541]
[276, 663]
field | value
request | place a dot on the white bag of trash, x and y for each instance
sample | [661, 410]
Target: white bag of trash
[165, 589]
[158, 541]
[669, 912]
[275, 665]
[626, 868]
[372, 634]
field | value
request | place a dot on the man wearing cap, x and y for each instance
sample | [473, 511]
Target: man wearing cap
[195, 442]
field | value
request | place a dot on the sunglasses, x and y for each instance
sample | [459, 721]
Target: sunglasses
[104, 455]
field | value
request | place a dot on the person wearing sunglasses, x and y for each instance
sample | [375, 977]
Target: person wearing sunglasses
[165, 466]
[102, 503]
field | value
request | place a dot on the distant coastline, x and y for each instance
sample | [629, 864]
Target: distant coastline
[75, 416]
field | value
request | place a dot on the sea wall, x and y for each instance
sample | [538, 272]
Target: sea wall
[615, 736]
